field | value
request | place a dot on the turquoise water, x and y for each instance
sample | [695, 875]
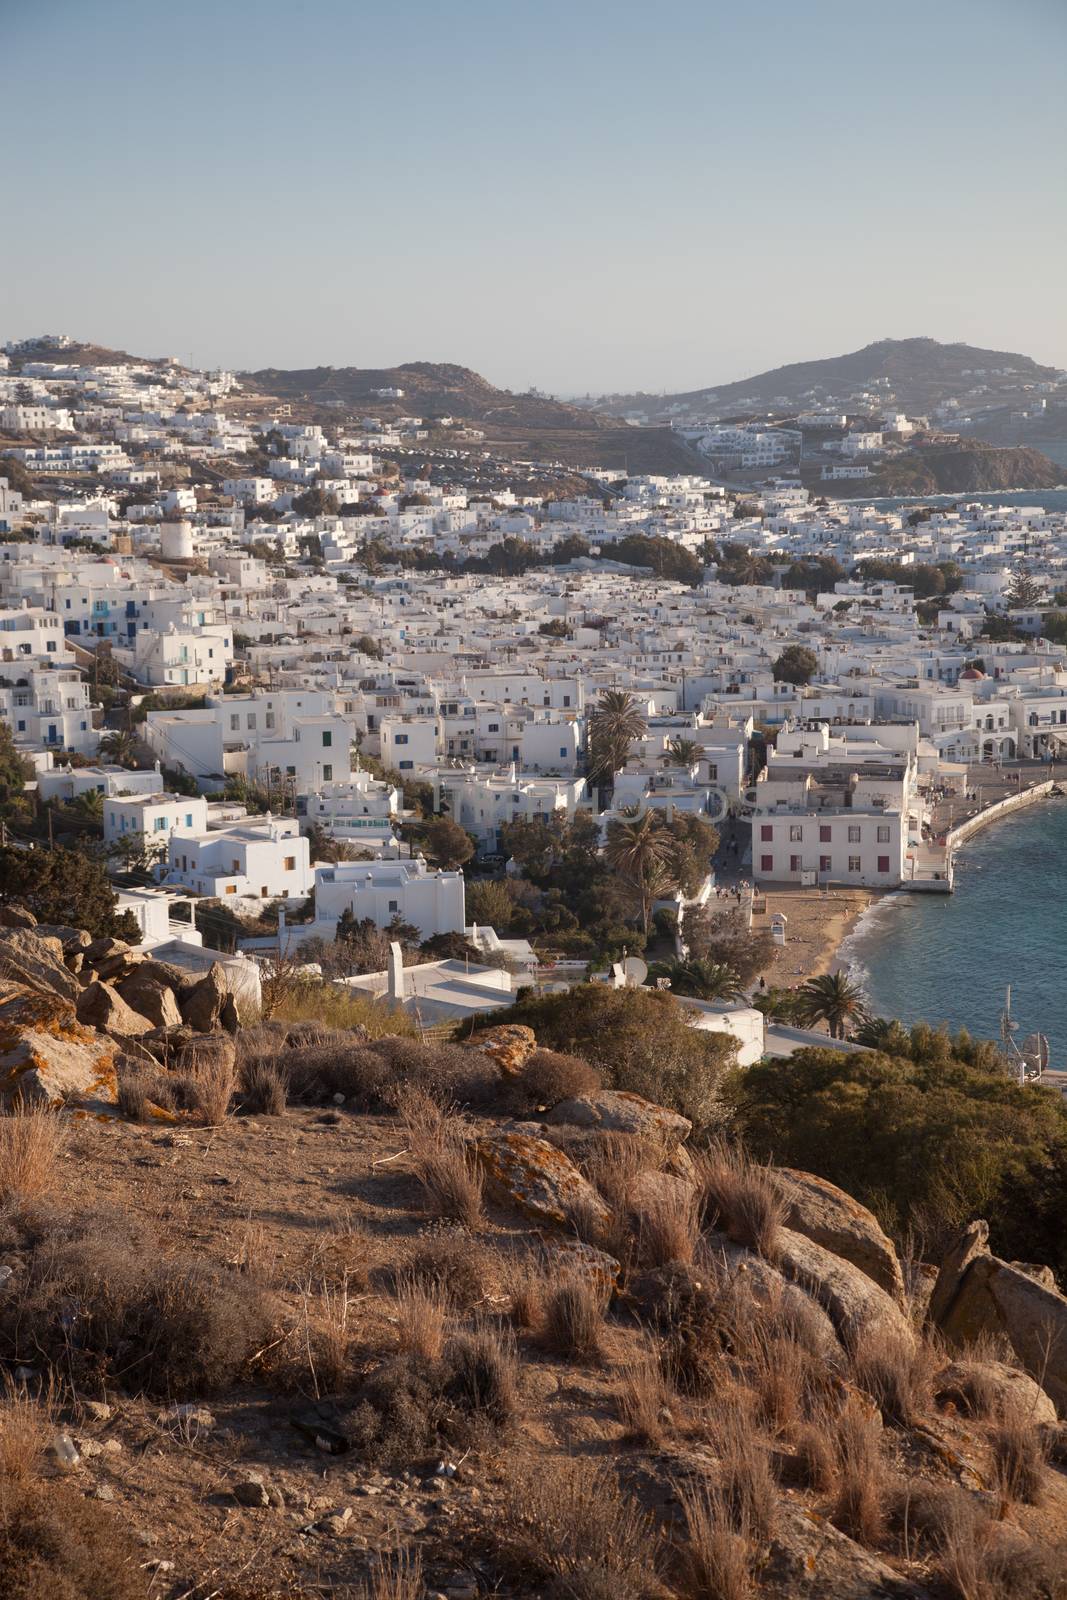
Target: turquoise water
[948, 958]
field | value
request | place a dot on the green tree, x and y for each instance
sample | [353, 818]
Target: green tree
[614, 723]
[64, 887]
[796, 664]
[1024, 590]
[640, 852]
[120, 747]
[489, 904]
[642, 1040]
[445, 844]
[703, 980]
[15, 772]
[833, 998]
[682, 753]
[723, 938]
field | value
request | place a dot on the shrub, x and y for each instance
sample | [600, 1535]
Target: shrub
[32, 1143]
[574, 1319]
[482, 1375]
[55, 1545]
[412, 1401]
[110, 1311]
[421, 1314]
[549, 1077]
[667, 1227]
[572, 1526]
[642, 1398]
[454, 1264]
[214, 1080]
[25, 1426]
[333, 1006]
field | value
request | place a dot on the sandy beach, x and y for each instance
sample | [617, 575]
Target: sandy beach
[816, 926]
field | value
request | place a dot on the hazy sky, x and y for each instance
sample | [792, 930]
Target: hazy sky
[575, 194]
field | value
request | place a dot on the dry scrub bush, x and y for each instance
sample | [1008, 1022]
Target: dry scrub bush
[896, 1372]
[747, 1487]
[25, 1428]
[1018, 1458]
[527, 1287]
[862, 1483]
[55, 1545]
[32, 1143]
[327, 1337]
[574, 1319]
[642, 1398]
[613, 1162]
[214, 1080]
[739, 1199]
[570, 1525]
[412, 1403]
[421, 1318]
[483, 1375]
[264, 1086]
[108, 1310]
[451, 1262]
[787, 1379]
[715, 1563]
[343, 1253]
[448, 1174]
[811, 1463]
[547, 1077]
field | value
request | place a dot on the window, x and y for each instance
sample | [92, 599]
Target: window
[766, 863]
[794, 863]
[796, 833]
[854, 864]
[289, 864]
[824, 863]
[327, 740]
[824, 833]
[251, 718]
[394, 905]
[235, 866]
[188, 819]
[405, 766]
[235, 723]
[231, 888]
[400, 738]
[290, 772]
[766, 832]
[853, 833]
[494, 727]
[327, 773]
[159, 824]
[883, 863]
[883, 833]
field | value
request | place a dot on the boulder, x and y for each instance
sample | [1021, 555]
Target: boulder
[113, 968]
[724, 1263]
[36, 962]
[48, 1058]
[617, 1111]
[150, 998]
[70, 938]
[573, 1258]
[1039, 1273]
[809, 1559]
[510, 1046]
[829, 1217]
[995, 1298]
[851, 1299]
[537, 1179]
[101, 1006]
[201, 1003]
[101, 948]
[1016, 1392]
[16, 917]
[972, 1242]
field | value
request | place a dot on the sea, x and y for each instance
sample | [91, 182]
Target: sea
[950, 957]
[1050, 499]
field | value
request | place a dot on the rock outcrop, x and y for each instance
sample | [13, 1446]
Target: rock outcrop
[101, 1006]
[48, 1058]
[510, 1046]
[537, 1179]
[616, 1111]
[851, 1299]
[831, 1218]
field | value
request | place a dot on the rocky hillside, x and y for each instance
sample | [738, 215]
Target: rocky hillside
[915, 373]
[964, 468]
[288, 1311]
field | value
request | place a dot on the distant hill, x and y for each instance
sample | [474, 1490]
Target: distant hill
[966, 467]
[915, 374]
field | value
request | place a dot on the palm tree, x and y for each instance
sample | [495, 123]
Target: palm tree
[682, 753]
[833, 998]
[640, 852]
[613, 725]
[91, 804]
[704, 980]
[891, 1037]
[120, 746]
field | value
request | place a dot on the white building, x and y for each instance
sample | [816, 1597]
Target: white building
[261, 859]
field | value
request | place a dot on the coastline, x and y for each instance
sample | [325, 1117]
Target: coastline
[817, 926]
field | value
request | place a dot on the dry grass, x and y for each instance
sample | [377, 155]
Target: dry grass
[574, 1319]
[786, 1378]
[739, 1199]
[1018, 1459]
[573, 1528]
[330, 1340]
[812, 1456]
[399, 1577]
[214, 1080]
[747, 1487]
[643, 1400]
[26, 1424]
[668, 1227]
[862, 1482]
[264, 1086]
[614, 1165]
[256, 1255]
[421, 1317]
[32, 1144]
[448, 1174]
[332, 1006]
[453, 1263]
[527, 1288]
[483, 1375]
[715, 1561]
[896, 1372]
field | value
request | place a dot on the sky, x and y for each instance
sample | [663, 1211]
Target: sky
[577, 195]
